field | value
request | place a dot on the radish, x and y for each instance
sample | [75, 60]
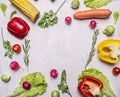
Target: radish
[92, 24]
[14, 65]
[26, 85]
[68, 20]
[54, 73]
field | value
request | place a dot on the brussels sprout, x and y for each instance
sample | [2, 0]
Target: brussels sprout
[55, 93]
[109, 30]
[5, 78]
[52, 0]
[75, 4]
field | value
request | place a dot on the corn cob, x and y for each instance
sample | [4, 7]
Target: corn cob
[27, 8]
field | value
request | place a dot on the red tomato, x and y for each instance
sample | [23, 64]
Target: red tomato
[16, 48]
[116, 70]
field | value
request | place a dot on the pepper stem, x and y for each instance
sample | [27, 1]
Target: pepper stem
[60, 7]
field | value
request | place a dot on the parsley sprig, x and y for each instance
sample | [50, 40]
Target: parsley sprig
[6, 44]
[26, 47]
[49, 18]
[63, 84]
[92, 52]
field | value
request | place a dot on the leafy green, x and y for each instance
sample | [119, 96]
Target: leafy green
[49, 18]
[96, 3]
[6, 44]
[106, 90]
[12, 14]
[115, 17]
[38, 86]
[63, 84]
[3, 7]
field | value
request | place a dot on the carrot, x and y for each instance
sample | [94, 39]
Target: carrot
[93, 13]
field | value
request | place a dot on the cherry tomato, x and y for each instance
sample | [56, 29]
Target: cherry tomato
[116, 70]
[16, 48]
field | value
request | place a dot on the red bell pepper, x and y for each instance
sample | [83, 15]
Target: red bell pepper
[18, 27]
[90, 86]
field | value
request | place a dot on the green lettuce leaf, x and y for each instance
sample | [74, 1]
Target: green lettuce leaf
[37, 90]
[106, 90]
[38, 86]
[96, 3]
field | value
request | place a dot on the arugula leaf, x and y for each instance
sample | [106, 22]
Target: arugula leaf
[116, 16]
[3, 7]
[63, 84]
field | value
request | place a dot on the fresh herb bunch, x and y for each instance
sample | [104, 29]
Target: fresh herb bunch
[92, 52]
[3, 7]
[26, 47]
[49, 18]
[6, 44]
[63, 84]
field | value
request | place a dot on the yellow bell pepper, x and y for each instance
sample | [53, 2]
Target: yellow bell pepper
[109, 51]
